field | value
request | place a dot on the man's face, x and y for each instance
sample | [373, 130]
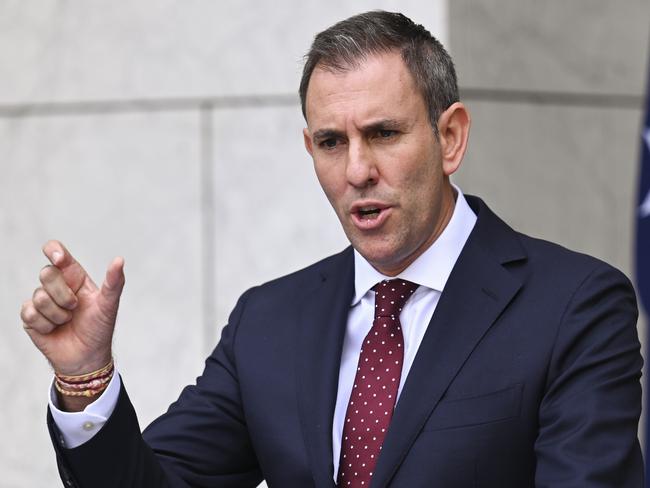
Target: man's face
[378, 160]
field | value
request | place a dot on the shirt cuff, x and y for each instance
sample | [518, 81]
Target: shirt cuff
[79, 427]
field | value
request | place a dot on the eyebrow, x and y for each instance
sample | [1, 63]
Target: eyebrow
[327, 134]
[383, 124]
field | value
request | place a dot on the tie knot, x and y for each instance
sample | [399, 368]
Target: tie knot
[391, 295]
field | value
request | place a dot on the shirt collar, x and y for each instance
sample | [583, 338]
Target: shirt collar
[433, 267]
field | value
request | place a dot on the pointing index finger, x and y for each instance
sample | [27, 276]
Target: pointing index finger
[59, 256]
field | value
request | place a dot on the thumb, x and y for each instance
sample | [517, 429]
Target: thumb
[112, 286]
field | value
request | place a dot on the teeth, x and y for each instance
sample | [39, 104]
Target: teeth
[368, 210]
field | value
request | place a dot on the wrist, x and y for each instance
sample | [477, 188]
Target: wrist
[86, 367]
[88, 385]
[73, 404]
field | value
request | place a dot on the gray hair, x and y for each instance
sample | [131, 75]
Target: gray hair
[348, 43]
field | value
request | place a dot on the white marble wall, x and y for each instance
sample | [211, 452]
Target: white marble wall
[556, 92]
[106, 185]
[556, 149]
[116, 137]
[105, 145]
[54, 50]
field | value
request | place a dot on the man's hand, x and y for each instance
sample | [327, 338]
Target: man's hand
[69, 318]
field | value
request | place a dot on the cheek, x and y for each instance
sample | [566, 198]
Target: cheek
[422, 190]
[421, 177]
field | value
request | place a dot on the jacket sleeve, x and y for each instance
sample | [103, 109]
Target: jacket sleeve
[202, 440]
[588, 417]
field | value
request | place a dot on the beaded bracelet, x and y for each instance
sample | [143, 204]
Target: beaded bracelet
[92, 384]
[88, 385]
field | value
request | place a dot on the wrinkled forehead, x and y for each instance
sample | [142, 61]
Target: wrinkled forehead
[381, 80]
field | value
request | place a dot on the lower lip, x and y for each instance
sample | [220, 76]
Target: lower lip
[371, 224]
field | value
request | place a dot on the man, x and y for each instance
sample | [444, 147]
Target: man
[442, 350]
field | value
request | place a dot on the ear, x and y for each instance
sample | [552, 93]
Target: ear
[453, 133]
[308, 144]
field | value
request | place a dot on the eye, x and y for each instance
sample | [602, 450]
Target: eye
[386, 133]
[330, 143]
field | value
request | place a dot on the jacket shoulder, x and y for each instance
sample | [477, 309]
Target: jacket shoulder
[337, 266]
[541, 257]
[562, 262]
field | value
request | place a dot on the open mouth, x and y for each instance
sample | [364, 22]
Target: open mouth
[368, 213]
[370, 216]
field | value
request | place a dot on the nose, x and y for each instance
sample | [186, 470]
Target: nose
[361, 170]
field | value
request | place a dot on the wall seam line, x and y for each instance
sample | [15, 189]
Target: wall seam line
[208, 264]
[94, 107]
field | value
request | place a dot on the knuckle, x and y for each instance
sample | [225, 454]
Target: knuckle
[28, 314]
[62, 317]
[69, 300]
[48, 328]
[46, 274]
[40, 298]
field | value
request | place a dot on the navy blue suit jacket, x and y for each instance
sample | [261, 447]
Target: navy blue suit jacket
[528, 375]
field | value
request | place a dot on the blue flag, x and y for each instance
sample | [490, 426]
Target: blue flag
[643, 216]
[643, 252]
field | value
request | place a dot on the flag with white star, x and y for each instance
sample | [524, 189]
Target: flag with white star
[643, 253]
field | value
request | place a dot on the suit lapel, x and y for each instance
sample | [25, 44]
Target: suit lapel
[321, 328]
[478, 290]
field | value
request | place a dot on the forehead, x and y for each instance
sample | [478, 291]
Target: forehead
[380, 86]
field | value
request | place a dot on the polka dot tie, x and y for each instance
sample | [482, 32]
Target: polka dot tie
[375, 386]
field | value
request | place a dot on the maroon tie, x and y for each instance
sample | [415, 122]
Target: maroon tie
[375, 386]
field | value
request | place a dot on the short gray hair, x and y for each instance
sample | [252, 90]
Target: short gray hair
[348, 43]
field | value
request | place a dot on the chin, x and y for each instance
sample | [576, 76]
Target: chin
[380, 258]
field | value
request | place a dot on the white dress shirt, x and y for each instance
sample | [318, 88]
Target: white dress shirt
[79, 427]
[430, 271]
